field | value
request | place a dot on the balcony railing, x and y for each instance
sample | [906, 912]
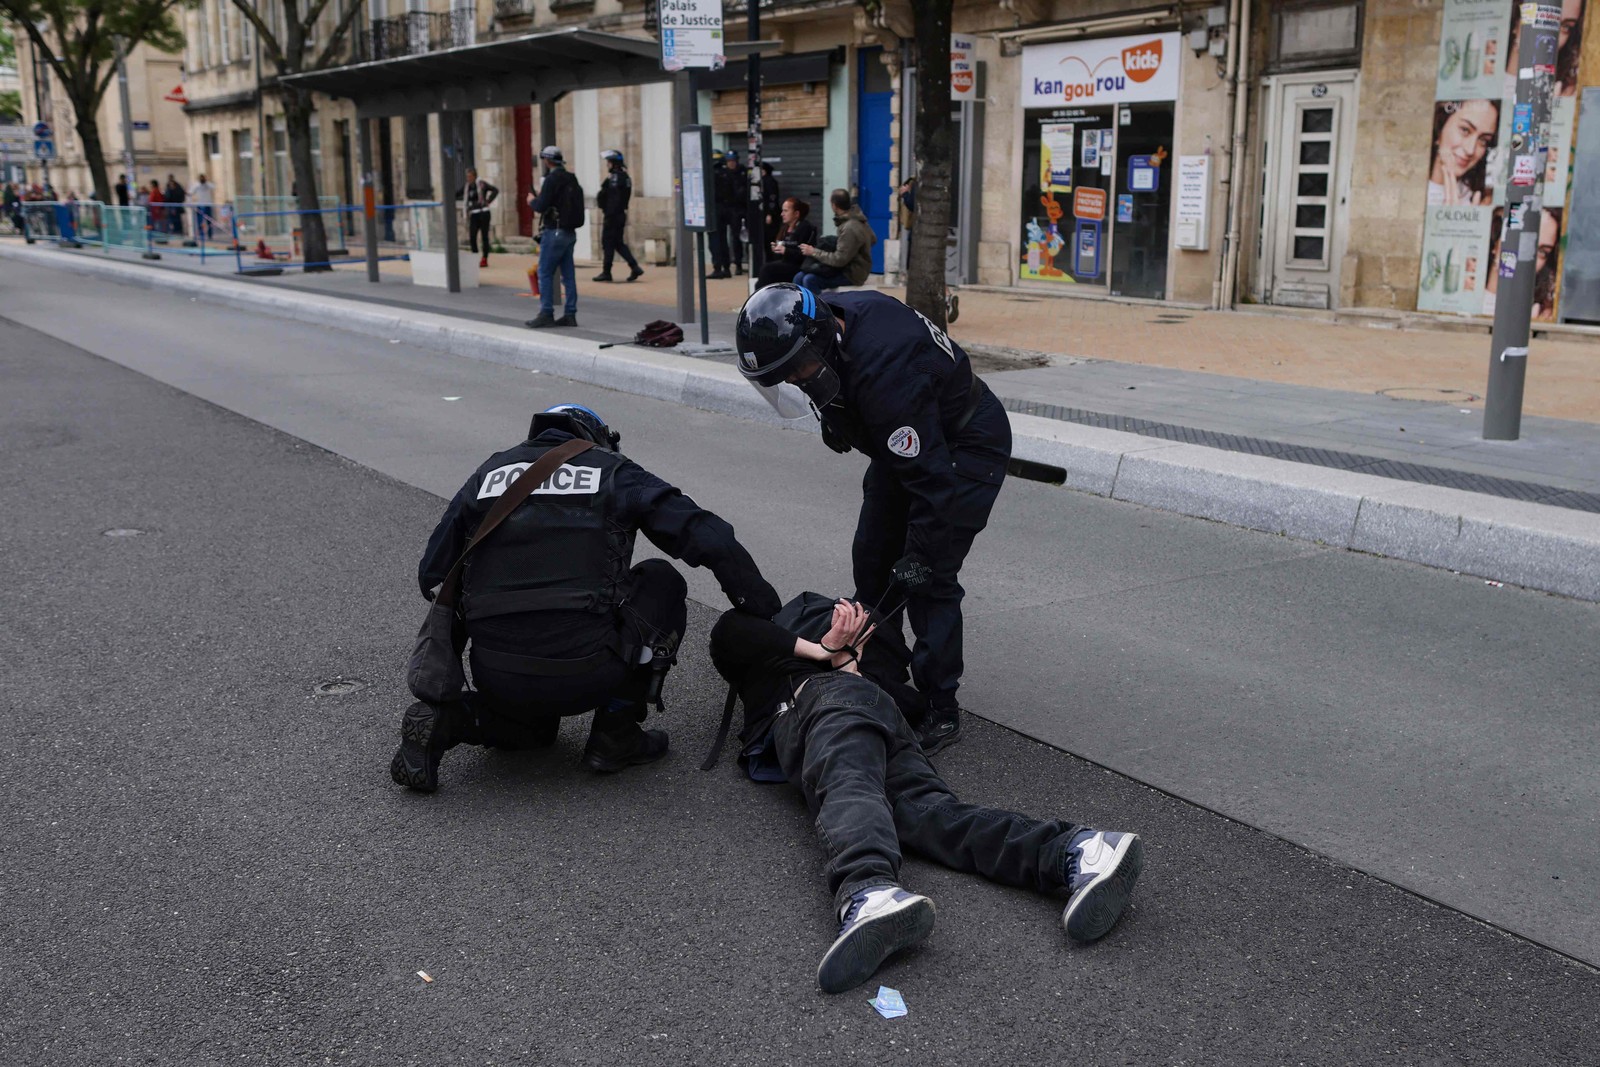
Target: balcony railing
[417, 32]
[509, 10]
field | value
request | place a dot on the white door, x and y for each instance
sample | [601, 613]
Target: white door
[1310, 127]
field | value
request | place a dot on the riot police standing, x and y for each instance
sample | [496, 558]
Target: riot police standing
[560, 620]
[886, 381]
[612, 200]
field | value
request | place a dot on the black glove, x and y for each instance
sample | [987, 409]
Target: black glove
[833, 440]
[758, 599]
[913, 572]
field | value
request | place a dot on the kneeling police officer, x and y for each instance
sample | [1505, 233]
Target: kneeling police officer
[887, 382]
[559, 619]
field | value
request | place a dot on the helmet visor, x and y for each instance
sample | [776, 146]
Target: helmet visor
[785, 399]
[818, 381]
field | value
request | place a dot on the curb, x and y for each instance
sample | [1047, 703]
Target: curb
[1546, 548]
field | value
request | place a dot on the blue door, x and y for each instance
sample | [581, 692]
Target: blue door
[874, 137]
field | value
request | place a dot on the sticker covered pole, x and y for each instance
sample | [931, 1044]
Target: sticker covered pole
[1519, 239]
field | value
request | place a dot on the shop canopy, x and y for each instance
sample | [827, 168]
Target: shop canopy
[535, 68]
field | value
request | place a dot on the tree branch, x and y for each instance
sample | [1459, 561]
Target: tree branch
[264, 32]
[337, 37]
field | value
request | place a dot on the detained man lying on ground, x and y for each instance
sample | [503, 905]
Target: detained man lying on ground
[812, 718]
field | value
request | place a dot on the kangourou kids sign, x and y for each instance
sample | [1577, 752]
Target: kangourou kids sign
[1112, 70]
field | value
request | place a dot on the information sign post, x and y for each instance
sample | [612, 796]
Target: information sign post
[698, 206]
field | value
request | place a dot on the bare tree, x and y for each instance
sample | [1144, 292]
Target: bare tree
[77, 40]
[292, 52]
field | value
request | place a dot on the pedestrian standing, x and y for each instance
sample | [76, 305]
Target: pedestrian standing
[771, 206]
[908, 209]
[122, 190]
[612, 200]
[477, 196]
[719, 234]
[559, 205]
[13, 206]
[733, 196]
[155, 200]
[203, 194]
[174, 196]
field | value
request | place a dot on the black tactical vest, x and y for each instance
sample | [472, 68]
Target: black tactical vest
[559, 551]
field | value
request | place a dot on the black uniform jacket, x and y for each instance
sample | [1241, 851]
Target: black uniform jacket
[673, 523]
[903, 383]
[614, 194]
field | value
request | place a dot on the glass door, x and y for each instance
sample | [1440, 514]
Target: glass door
[1142, 212]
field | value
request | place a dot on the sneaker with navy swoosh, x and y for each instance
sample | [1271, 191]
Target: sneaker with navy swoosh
[1102, 867]
[873, 925]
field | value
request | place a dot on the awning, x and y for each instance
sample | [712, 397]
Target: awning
[505, 73]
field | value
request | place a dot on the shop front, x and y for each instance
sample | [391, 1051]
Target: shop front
[1098, 163]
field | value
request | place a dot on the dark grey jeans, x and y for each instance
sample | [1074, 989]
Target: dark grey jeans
[871, 790]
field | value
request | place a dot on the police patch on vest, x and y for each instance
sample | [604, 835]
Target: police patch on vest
[905, 442]
[565, 480]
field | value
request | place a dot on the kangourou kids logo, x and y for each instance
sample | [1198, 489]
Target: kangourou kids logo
[1116, 70]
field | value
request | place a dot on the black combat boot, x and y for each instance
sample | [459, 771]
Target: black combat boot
[616, 740]
[426, 732]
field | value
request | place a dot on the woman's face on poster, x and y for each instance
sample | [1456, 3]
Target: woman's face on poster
[1571, 15]
[1467, 134]
[1549, 234]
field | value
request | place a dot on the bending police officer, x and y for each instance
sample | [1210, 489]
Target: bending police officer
[886, 381]
[560, 620]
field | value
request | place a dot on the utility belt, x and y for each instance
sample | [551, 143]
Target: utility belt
[619, 646]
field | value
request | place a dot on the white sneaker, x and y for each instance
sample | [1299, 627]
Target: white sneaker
[874, 924]
[1102, 869]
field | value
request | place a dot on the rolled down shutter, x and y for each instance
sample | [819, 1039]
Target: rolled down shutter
[796, 158]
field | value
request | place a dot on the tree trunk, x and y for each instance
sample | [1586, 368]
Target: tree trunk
[925, 287]
[88, 127]
[297, 123]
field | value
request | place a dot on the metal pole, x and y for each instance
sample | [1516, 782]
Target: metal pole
[41, 96]
[683, 100]
[1519, 238]
[705, 306]
[127, 113]
[447, 185]
[755, 223]
[369, 211]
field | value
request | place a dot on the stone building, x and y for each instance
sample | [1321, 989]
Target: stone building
[157, 120]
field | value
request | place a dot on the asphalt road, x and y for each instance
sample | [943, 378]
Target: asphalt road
[205, 861]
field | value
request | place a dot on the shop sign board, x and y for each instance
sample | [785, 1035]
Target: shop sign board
[691, 34]
[1089, 203]
[1107, 70]
[1194, 199]
[963, 68]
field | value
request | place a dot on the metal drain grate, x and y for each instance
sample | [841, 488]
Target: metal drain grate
[1488, 484]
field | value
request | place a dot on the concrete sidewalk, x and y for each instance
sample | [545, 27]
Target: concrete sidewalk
[1398, 477]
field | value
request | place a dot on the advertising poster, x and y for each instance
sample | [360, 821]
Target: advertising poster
[1472, 49]
[1455, 258]
[1055, 157]
[1483, 143]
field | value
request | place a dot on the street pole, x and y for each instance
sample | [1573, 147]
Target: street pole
[687, 114]
[755, 224]
[1519, 238]
[41, 96]
[127, 115]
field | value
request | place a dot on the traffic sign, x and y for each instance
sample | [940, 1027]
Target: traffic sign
[43, 149]
[41, 130]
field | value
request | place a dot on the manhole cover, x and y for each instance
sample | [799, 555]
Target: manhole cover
[123, 531]
[1437, 396]
[338, 687]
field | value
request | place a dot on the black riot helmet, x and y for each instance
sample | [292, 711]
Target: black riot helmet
[577, 420]
[785, 334]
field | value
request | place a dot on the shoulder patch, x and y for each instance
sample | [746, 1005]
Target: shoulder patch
[905, 442]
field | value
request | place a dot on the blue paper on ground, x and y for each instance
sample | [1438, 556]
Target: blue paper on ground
[889, 1003]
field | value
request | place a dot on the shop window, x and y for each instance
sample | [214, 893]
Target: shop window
[1316, 33]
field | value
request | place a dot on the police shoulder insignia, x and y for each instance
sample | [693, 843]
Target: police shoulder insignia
[905, 442]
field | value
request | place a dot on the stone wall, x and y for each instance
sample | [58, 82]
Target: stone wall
[1388, 179]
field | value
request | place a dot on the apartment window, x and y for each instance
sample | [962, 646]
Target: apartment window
[1309, 34]
[247, 37]
[212, 145]
[280, 157]
[205, 38]
[244, 164]
[225, 52]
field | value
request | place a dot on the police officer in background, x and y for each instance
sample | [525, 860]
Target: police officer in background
[612, 200]
[560, 620]
[889, 383]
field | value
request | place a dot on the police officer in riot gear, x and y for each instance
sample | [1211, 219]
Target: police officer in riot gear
[885, 381]
[560, 620]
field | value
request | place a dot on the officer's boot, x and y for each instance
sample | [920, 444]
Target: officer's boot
[616, 740]
[940, 729]
[426, 732]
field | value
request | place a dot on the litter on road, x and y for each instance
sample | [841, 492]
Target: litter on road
[425, 976]
[889, 1003]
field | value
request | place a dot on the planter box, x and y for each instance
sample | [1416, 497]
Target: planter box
[427, 268]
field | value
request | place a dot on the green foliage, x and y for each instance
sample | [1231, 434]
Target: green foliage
[11, 105]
